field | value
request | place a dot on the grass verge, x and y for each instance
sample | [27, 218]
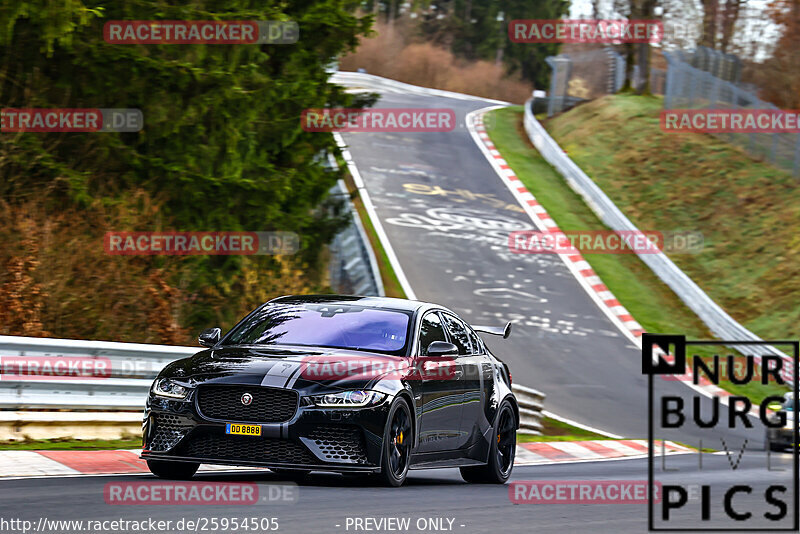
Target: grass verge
[654, 305]
[557, 431]
[391, 284]
[746, 209]
[71, 444]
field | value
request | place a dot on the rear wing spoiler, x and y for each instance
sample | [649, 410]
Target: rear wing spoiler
[504, 331]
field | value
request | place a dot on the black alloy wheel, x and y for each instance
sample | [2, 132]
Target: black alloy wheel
[397, 440]
[501, 453]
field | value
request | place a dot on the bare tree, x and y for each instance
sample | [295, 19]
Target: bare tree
[710, 16]
[639, 53]
[719, 22]
[730, 15]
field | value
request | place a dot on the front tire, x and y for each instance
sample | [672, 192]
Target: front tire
[397, 440]
[172, 470]
[501, 453]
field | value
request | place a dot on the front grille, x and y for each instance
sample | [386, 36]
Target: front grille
[168, 431]
[270, 405]
[340, 443]
[246, 449]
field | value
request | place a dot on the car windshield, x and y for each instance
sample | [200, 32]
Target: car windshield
[325, 325]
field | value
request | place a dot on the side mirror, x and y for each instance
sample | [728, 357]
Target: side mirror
[441, 348]
[210, 337]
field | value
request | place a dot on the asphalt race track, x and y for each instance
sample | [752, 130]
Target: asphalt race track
[326, 501]
[447, 216]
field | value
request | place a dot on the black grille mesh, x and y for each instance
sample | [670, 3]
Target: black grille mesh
[168, 431]
[340, 443]
[243, 448]
[270, 405]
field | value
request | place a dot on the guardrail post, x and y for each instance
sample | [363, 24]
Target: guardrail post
[531, 404]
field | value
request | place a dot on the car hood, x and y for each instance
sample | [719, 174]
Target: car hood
[307, 369]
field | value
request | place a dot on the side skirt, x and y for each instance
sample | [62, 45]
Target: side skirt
[456, 458]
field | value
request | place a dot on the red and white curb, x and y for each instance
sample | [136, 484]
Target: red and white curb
[18, 464]
[584, 451]
[15, 464]
[575, 262]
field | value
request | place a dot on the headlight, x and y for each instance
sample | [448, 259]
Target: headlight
[347, 399]
[164, 387]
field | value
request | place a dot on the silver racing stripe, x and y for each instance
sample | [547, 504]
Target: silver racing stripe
[295, 375]
[280, 373]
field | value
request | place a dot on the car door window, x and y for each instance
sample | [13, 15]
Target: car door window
[430, 330]
[458, 334]
[477, 346]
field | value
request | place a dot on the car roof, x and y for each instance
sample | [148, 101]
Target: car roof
[371, 302]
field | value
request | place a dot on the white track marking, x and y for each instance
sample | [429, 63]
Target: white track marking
[551, 415]
[373, 216]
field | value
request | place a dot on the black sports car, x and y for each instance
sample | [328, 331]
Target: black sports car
[337, 383]
[779, 438]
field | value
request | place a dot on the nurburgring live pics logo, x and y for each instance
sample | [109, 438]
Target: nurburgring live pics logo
[666, 355]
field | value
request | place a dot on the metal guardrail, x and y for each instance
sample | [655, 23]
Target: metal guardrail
[353, 266]
[127, 360]
[717, 320]
[127, 371]
[95, 394]
[377, 82]
[531, 404]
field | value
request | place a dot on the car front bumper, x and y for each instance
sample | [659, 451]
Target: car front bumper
[314, 438]
[781, 436]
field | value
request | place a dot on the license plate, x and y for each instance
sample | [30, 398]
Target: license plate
[242, 430]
